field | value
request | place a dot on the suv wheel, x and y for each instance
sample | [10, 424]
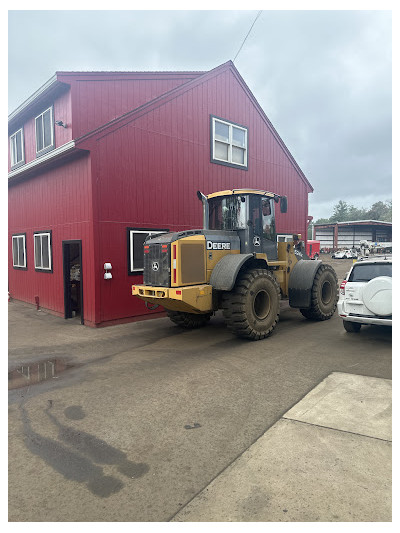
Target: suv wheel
[351, 327]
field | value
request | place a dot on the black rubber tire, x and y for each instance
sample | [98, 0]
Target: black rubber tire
[251, 309]
[324, 294]
[351, 327]
[188, 320]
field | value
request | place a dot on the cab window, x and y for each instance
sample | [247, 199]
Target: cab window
[268, 224]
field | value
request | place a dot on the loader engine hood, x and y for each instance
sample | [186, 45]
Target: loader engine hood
[180, 258]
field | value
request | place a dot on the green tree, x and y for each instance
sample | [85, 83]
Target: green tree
[356, 214]
[340, 212]
[380, 211]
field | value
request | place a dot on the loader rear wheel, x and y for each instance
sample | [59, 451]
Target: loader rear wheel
[251, 309]
[324, 294]
[188, 320]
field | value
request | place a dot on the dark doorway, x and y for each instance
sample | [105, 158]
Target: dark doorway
[72, 260]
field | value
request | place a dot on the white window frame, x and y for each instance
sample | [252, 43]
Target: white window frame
[51, 145]
[285, 237]
[13, 148]
[41, 235]
[231, 143]
[131, 247]
[16, 261]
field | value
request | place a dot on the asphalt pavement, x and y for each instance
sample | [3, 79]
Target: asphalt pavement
[146, 422]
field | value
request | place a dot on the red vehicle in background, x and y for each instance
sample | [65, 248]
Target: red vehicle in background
[313, 249]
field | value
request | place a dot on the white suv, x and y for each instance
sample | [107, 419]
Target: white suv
[365, 296]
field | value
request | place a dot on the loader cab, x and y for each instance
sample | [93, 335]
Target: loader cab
[250, 215]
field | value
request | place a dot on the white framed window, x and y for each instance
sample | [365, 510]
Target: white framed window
[136, 238]
[229, 143]
[42, 251]
[19, 251]
[17, 152]
[284, 238]
[44, 128]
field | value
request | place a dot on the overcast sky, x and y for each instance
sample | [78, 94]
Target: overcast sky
[322, 77]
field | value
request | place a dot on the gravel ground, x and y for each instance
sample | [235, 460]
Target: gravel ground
[341, 266]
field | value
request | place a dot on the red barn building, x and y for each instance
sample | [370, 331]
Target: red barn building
[98, 160]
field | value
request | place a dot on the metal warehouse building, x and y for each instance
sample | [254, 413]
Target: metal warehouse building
[348, 234]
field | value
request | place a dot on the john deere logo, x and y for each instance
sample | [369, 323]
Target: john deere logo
[218, 245]
[155, 266]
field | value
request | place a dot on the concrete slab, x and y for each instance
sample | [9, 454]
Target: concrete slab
[300, 472]
[359, 404]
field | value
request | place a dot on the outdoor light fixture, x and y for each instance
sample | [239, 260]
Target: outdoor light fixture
[107, 275]
[61, 123]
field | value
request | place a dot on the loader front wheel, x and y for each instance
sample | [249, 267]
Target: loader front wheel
[324, 294]
[188, 320]
[251, 309]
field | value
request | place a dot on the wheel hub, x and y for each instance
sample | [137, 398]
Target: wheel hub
[326, 293]
[262, 305]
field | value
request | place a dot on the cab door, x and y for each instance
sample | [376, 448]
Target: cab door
[262, 226]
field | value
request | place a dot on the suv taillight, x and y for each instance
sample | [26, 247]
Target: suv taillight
[342, 286]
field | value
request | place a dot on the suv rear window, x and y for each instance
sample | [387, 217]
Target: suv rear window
[370, 271]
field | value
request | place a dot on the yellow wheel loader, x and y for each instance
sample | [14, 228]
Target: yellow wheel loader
[235, 264]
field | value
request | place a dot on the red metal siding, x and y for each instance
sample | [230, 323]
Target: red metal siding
[98, 99]
[148, 172]
[59, 201]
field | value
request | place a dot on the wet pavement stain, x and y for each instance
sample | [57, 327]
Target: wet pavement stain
[97, 449]
[74, 412]
[75, 458]
[70, 464]
[33, 373]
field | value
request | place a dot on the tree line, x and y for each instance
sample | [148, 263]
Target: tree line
[344, 212]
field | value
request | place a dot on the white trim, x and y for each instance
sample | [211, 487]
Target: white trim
[52, 81]
[15, 163]
[24, 241]
[51, 155]
[41, 235]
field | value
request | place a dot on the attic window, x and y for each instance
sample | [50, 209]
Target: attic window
[44, 127]
[229, 144]
[17, 148]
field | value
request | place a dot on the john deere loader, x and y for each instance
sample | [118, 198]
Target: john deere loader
[235, 264]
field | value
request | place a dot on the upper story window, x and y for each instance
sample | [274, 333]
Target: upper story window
[17, 148]
[229, 144]
[44, 127]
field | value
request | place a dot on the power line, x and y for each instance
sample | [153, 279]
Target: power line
[248, 33]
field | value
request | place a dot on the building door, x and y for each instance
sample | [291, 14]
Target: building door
[73, 296]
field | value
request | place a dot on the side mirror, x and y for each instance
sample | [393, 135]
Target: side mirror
[284, 204]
